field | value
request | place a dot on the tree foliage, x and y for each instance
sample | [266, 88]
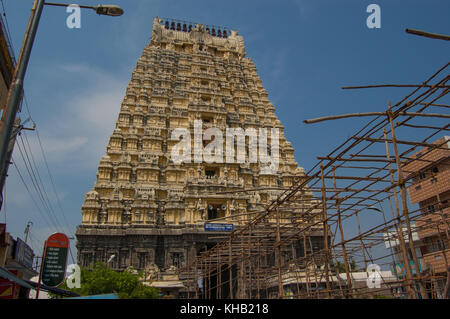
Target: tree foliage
[339, 267]
[103, 280]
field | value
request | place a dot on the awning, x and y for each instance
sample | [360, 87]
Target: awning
[11, 277]
[166, 284]
[54, 290]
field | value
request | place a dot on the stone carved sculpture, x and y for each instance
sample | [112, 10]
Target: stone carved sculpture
[152, 272]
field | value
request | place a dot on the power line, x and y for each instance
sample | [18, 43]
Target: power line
[44, 191]
[36, 186]
[54, 190]
[35, 182]
[65, 220]
[31, 195]
[51, 178]
[39, 186]
[67, 224]
[71, 234]
[40, 180]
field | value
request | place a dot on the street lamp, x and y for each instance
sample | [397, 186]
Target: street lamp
[102, 9]
[16, 88]
[108, 10]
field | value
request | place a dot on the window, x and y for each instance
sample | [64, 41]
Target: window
[435, 169]
[123, 259]
[286, 256]
[422, 175]
[177, 259]
[430, 209]
[207, 120]
[210, 172]
[216, 211]
[143, 258]
[441, 245]
[87, 260]
[99, 256]
[206, 98]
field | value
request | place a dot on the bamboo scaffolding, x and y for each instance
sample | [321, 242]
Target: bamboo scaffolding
[308, 240]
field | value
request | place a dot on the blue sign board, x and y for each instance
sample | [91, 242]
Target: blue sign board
[105, 296]
[24, 254]
[218, 227]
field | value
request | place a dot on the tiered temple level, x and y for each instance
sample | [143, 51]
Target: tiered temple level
[146, 210]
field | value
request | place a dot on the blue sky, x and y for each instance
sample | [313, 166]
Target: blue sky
[305, 51]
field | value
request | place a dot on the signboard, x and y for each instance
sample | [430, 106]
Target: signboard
[399, 269]
[105, 296]
[55, 260]
[24, 254]
[218, 227]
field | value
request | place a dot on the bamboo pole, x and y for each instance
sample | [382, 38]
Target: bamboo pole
[344, 251]
[325, 232]
[428, 34]
[404, 201]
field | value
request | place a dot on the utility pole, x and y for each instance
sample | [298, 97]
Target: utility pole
[27, 230]
[15, 92]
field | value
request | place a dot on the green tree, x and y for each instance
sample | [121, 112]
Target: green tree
[340, 267]
[103, 280]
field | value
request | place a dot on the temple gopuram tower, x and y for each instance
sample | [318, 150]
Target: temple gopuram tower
[145, 209]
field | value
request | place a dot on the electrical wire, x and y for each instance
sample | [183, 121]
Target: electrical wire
[43, 189]
[51, 178]
[31, 195]
[37, 182]
[37, 187]
[64, 217]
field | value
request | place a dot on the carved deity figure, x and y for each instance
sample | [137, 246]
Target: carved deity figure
[233, 206]
[201, 208]
[199, 27]
[225, 172]
[153, 272]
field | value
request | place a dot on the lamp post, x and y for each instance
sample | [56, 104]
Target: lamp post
[27, 230]
[107, 10]
[15, 91]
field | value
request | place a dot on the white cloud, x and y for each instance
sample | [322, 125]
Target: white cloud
[86, 120]
[74, 132]
[57, 146]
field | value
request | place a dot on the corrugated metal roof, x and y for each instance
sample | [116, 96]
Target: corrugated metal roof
[11, 277]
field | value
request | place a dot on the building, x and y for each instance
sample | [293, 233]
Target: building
[392, 243]
[150, 212]
[16, 266]
[430, 189]
[7, 65]
[15, 255]
[301, 284]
